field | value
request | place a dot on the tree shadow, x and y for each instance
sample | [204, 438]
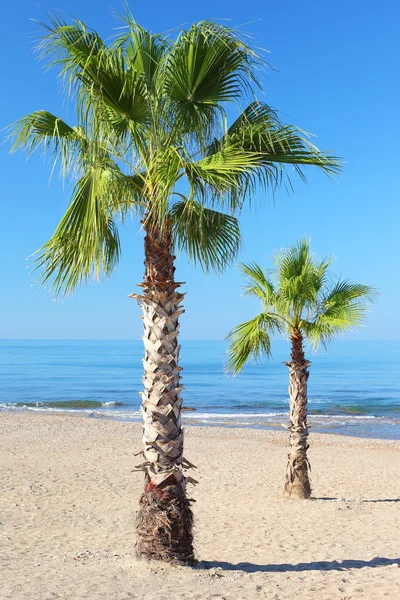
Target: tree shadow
[348, 500]
[325, 498]
[309, 566]
[384, 500]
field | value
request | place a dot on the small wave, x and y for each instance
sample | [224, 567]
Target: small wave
[105, 408]
[199, 415]
[60, 404]
[343, 416]
[350, 424]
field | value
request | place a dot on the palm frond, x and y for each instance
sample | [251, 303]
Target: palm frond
[210, 238]
[341, 309]
[69, 47]
[251, 340]
[256, 283]
[300, 277]
[260, 130]
[99, 74]
[208, 65]
[255, 114]
[86, 242]
[231, 176]
[43, 130]
[257, 150]
[145, 51]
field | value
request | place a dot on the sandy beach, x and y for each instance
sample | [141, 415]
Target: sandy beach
[69, 498]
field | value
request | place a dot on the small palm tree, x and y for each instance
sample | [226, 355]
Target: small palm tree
[301, 303]
[151, 140]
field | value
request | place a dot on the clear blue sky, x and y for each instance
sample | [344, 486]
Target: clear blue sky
[337, 75]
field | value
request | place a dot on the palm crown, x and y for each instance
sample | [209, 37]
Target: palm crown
[298, 298]
[152, 112]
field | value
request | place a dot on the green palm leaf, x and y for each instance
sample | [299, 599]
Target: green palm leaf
[98, 73]
[342, 308]
[208, 65]
[257, 283]
[251, 340]
[210, 238]
[86, 241]
[257, 150]
[145, 52]
[43, 130]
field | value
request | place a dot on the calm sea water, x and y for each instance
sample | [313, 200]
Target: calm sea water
[354, 388]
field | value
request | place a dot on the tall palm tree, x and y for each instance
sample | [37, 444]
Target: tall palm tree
[301, 302]
[151, 139]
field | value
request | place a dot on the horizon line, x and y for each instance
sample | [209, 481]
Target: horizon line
[133, 339]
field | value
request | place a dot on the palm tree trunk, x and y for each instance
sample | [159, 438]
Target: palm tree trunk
[297, 475]
[165, 517]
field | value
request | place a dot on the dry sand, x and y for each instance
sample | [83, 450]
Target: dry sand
[69, 498]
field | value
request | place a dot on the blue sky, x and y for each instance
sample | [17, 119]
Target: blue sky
[336, 76]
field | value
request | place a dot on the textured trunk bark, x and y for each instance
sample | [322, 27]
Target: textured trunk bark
[297, 475]
[165, 518]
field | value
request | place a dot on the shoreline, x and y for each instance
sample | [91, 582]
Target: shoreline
[349, 426]
[218, 429]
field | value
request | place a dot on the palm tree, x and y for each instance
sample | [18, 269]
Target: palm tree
[151, 140]
[301, 303]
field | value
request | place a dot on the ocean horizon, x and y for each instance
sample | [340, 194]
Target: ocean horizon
[353, 386]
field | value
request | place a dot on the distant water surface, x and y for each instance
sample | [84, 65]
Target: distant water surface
[353, 387]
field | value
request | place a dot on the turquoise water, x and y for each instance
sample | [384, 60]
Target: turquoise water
[353, 388]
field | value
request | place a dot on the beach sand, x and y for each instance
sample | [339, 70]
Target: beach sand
[68, 500]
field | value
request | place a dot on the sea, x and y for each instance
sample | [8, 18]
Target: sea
[354, 386]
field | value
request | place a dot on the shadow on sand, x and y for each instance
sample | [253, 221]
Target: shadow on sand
[384, 500]
[341, 499]
[308, 566]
